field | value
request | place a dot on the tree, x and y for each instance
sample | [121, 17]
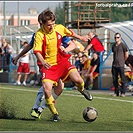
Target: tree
[121, 13]
[59, 13]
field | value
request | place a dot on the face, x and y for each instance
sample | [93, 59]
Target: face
[95, 56]
[49, 26]
[117, 38]
[90, 35]
[84, 59]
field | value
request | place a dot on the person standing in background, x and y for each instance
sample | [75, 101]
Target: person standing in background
[24, 66]
[120, 55]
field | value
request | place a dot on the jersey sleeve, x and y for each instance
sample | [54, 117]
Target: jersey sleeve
[63, 30]
[38, 42]
[31, 43]
[65, 41]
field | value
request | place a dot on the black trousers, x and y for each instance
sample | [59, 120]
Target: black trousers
[115, 72]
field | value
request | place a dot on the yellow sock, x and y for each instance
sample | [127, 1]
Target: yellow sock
[50, 102]
[91, 85]
[80, 87]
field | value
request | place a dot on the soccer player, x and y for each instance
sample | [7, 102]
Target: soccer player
[38, 107]
[52, 61]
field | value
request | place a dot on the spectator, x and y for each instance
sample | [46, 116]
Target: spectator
[78, 61]
[8, 51]
[93, 70]
[120, 55]
[23, 67]
[86, 64]
[95, 44]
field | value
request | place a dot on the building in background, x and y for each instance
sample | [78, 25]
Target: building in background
[25, 19]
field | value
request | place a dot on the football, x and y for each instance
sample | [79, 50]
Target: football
[32, 82]
[90, 114]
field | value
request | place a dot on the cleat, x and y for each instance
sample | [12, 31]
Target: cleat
[39, 115]
[87, 95]
[56, 118]
[34, 113]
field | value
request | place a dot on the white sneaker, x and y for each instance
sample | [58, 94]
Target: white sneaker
[17, 83]
[24, 83]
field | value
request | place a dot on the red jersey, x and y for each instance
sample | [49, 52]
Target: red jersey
[97, 45]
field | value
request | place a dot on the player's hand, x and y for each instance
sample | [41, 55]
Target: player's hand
[62, 48]
[15, 60]
[46, 65]
[84, 38]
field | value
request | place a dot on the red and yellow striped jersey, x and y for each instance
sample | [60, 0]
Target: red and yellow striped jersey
[48, 43]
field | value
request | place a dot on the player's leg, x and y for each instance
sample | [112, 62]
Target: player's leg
[75, 77]
[57, 91]
[50, 102]
[39, 99]
[38, 106]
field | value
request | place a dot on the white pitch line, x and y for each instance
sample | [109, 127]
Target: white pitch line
[111, 99]
[102, 98]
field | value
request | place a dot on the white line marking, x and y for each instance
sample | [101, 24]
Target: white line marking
[102, 98]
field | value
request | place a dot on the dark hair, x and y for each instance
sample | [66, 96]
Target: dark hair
[47, 15]
[117, 34]
[25, 42]
[40, 18]
[95, 52]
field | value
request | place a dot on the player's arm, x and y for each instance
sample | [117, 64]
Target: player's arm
[82, 38]
[24, 51]
[71, 46]
[41, 59]
[71, 33]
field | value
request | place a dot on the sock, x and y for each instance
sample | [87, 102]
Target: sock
[44, 103]
[91, 86]
[50, 102]
[40, 96]
[80, 87]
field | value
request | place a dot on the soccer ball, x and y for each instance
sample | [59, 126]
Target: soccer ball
[130, 87]
[90, 114]
[32, 82]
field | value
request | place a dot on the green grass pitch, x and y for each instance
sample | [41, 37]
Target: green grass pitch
[114, 113]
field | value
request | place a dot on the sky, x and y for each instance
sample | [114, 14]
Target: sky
[12, 6]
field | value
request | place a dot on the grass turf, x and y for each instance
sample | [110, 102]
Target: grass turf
[114, 113]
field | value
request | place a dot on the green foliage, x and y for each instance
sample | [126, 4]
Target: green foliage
[121, 14]
[117, 14]
[59, 13]
[114, 114]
